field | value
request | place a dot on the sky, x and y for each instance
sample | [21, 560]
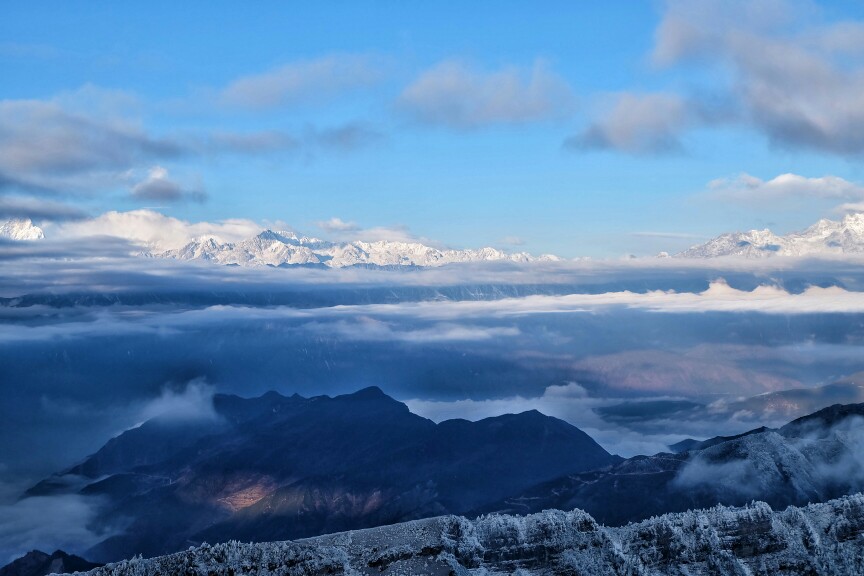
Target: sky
[580, 129]
[597, 129]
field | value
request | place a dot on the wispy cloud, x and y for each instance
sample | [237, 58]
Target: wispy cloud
[673, 235]
[37, 208]
[42, 144]
[339, 229]
[457, 95]
[337, 225]
[23, 527]
[304, 81]
[366, 328]
[194, 401]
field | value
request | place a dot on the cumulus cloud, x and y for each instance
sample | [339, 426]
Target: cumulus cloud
[456, 95]
[779, 67]
[745, 187]
[159, 187]
[155, 230]
[303, 82]
[638, 123]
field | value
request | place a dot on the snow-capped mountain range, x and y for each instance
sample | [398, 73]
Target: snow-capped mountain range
[278, 248]
[286, 248]
[823, 238]
[20, 229]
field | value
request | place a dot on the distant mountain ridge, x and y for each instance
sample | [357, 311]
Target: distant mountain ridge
[277, 467]
[826, 237]
[284, 248]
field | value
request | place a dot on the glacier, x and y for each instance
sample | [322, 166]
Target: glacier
[826, 538]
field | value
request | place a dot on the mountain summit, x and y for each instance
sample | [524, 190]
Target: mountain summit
[271, 248]
[277, 467]
[20, 229]
[823, 238]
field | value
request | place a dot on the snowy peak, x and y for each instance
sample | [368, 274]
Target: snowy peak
[284, 248]
[20, 229]
[822, 238]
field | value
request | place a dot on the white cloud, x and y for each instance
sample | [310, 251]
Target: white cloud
[303, 81]
[456, 95]
[513, 240]
[850, 207]
[193, 402]
[745, 187]
[342, 230]
[365, 328]
[48, 523]
[458, 319]
[45, 145]
[155, 230]
[569, 402]
[794, 78]
[776, 66]
[337, 225]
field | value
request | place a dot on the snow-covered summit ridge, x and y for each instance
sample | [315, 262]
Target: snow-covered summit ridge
[20, 229]
[825, 237]
[818, 539]
[279, 248]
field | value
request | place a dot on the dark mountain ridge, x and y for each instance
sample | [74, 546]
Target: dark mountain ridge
[812, 459]
[38, 563]
[277, 467]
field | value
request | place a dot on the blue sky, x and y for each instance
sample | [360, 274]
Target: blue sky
[572, 128]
